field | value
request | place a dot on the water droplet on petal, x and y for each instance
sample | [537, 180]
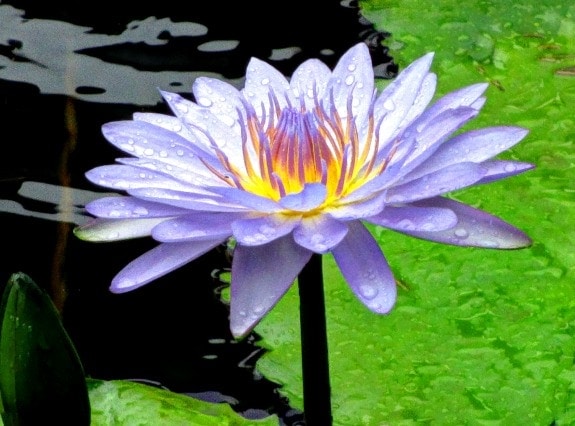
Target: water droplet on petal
[406, 224]
[461, 233]
[149, 151]
[488, 243]
[203, 101]
[351, 67]
[141, 211]
[265, 81]
[258, 310]
[349, 80]
[389, 105]
[510, 168]
[368, 291]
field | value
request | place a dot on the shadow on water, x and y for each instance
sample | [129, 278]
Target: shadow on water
[66, 68]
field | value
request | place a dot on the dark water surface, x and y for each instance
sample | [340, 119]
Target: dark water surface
[66, 68]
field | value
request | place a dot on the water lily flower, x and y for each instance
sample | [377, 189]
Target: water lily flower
[288, 168]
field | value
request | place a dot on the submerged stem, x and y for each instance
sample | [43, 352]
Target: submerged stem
[314, 350]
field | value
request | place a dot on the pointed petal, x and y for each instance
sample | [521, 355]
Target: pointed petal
[158, 262]
[261, 78]
[365, 269]
[104, 230]
[200, 200]
[221, 98]
[144, 140]
[130, 208]
[125, 177]
[353, 76]
[207, 127]
[319, 233]
[261, 230]
[310, 80]
[195, 227]
[501, 169]
[474, 228]
[411, 218]
[260, 277]
[396, 100]
[475, 146]
[310, 197]
[440, 182]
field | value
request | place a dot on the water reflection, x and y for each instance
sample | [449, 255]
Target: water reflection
[66, 68]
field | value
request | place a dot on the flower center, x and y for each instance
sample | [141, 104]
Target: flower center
[286, 148]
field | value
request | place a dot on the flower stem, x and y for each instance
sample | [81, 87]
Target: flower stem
[314, 351]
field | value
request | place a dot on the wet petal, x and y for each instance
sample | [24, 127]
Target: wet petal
[396, 100]
[195, 227]
[501, 169]
[353, 76]
[261, 230]
[104, 230]
[188, 200]
[308, 80]
[145, 140]
[312, 196]
[130, 208]
[319, 233]
[257, 281]
[125, 177]
[359, 209]
[221, 98]
[365, 269]
[475, 146]
[261, 78]
[158, 262]
[474, 228]
[410, 218]
[449, 179]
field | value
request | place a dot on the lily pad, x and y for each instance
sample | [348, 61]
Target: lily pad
[477, 334]
[128, 403]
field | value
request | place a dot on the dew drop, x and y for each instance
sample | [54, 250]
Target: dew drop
[265, 81]
[141, 211]
[180, 152]
[488, 243]
[163, 154]
[406, 224]
[148, 151]
[461, 233]
[510, 168]
[349, 80]
[368, 291]
[351, 67]
[114, 213]
[206, 102]
[229, 121]
[389, 105]
[258, 310]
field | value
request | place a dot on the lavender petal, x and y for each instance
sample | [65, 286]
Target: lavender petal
[257, 281]
[365, 269]
[320, 233]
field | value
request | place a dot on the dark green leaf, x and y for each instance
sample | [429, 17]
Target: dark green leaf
[41, 378]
